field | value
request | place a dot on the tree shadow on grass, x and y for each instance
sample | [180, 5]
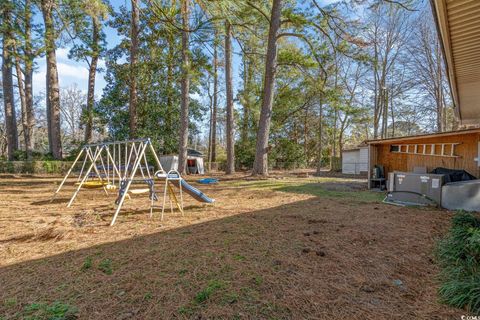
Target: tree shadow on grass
[348, 190]
[309, 259]
[50, 201]
[327, 191]
[23, 183]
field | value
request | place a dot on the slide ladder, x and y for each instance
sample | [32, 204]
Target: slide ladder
[173, 178]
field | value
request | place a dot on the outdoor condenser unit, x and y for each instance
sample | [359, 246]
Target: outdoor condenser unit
[415, 188]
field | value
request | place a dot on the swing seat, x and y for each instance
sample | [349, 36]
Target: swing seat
[111, 187]
[139, 191]
[96, 184]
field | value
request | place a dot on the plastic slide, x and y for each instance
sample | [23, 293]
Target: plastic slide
[194, 192]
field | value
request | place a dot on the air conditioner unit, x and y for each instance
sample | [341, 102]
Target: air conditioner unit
[409, 188]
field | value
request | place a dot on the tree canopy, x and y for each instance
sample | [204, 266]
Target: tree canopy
[252, 84]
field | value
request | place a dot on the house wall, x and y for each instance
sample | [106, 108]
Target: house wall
[467, 150]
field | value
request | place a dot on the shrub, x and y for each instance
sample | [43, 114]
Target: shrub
[245, 154]
[459, 257]
[51, 166]
[286, 154]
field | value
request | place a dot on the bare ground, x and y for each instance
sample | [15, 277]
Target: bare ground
[283, 248]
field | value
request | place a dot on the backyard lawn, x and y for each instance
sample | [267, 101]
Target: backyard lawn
[286, 247]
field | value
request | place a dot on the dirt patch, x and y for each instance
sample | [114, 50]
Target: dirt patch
[255, 254]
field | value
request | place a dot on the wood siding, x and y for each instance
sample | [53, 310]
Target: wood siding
[467, 151]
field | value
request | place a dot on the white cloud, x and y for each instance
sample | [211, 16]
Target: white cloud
[39, 78]
[62, 53]
[72, 70]
[101, 63]
[69, 73]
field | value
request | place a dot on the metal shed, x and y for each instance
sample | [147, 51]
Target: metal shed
[355, 161]
[194, 162]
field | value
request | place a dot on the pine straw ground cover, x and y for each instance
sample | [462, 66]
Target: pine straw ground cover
[281, 248]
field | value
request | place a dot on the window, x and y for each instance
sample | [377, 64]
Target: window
[394, 148]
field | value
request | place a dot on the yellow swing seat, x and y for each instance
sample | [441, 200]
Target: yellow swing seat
[96, 184]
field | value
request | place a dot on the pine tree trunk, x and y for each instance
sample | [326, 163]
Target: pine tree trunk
[185, 89]
[260, 165]
[215, 99]
[30, 114]
[305, 132]
[23, 102]
[170, 145]
[320, 136]
[7, 81]
[229, 90]
[209, 152]
[392, 112]
[340, 140]
[385, 114]
[29, 57]
[133, 112]
[92, 72]
[53, 87]
[333, 155]
[376, 99]
[246, 98]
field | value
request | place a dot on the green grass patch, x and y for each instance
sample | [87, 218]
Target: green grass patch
[10, 302]
[185, 310]
[258, 280]
[316, 189]
[207, 292]
[459, 257]
[147, 296]
[239, 257]
[319, 187]
[54, 311]
[106, 266]
[87, 264]
[230, 298]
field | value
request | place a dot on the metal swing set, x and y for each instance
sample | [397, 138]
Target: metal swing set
[119, 165]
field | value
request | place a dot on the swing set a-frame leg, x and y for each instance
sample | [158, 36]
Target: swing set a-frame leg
[67, 175]
[84, 179]
[164, 197]
[129, 181]
[122, 199]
